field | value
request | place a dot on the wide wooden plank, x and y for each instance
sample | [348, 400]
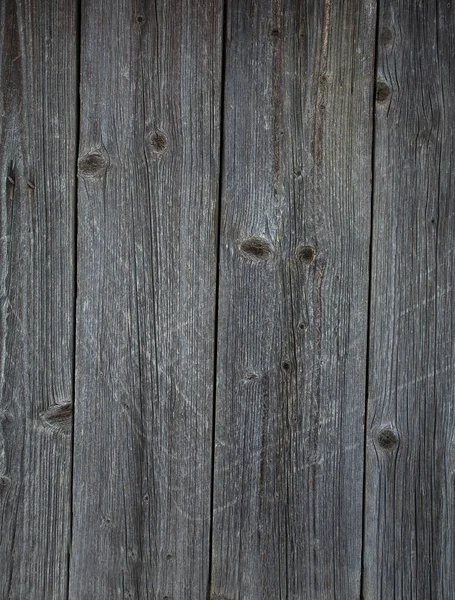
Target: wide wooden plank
[148, 195]
[38, 104]
[294, 274]
[409, 544]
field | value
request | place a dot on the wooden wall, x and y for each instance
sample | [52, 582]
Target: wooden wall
[227, 336]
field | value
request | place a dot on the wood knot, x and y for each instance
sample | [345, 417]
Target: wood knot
[6, 417]
[5, 484]
[92, 165]
[140, 19]
[302, 326]
[132, 554]
[58, 418]
[382, 91]
[106, 522]
[250, 376]
[306, 254]
[387, 439]
[386, 37]
[158, 142]
[255, 248]
[286, 365]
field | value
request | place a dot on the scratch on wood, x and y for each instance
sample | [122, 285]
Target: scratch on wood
[325, 35]
[277, 103]
[320, 111]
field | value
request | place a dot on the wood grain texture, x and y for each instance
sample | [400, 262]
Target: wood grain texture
[38, 103]
[410, 535]
[148, 194]
[295, 235]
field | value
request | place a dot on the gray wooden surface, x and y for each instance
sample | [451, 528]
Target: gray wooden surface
[148, 193]
[246, 294]
[293, 300]
[410, 516]
[38, 108]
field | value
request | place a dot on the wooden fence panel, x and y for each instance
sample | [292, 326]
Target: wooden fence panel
[148, 194]
[38, 145]
[409, 542]
[329, 249]
[294, 276]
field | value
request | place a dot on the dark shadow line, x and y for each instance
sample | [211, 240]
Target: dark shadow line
[370, 285]
[217, 281]
[78, 33]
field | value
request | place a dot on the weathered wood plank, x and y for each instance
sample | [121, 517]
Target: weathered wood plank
[148, 194]
[38, 103]
[295, 235]
[409, 545]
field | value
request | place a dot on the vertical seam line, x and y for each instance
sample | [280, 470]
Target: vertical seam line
[78, 33]
[217, 281]
[370, 284]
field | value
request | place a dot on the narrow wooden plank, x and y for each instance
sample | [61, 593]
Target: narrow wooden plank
[38, 103]
[410, 536]
[295, 234]
[148, 194]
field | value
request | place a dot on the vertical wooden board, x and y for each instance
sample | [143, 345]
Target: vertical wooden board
[148, 193]
[409, 544]
[294, 272]
[38, 103]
